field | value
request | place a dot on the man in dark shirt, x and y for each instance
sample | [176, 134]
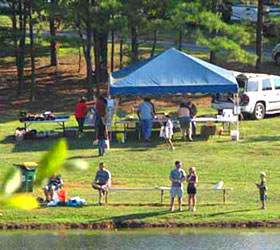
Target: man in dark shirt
[193, 113]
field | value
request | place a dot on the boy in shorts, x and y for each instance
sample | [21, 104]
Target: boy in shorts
[262, 188]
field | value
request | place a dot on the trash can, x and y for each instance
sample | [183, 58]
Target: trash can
[28, 174]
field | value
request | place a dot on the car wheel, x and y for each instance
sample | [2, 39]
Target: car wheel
[277, 59]
[259, 111]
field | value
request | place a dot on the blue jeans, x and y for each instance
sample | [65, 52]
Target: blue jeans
[193, 128]
[101, 147]
[146, 126]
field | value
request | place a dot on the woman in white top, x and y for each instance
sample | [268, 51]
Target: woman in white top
[185, 121]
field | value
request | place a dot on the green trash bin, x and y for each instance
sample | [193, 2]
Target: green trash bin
[28, 174]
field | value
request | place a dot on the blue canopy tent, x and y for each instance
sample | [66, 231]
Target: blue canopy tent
[172, 72]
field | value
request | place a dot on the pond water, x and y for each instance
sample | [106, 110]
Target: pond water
[163, 239]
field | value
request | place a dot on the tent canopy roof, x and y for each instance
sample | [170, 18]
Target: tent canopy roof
[172, 72]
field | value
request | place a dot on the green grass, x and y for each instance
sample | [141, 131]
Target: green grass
[238, 164]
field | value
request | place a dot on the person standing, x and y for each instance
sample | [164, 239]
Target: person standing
[100, 108]
[192, 180]
[102, 136]
[193, 113]
[262, 188]
[81, 110]
[146, 114]
[185, 121]
[102, 181]
[168, 133]
[177, 177]
[101, 105]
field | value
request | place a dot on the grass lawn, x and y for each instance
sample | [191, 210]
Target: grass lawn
[134, 164]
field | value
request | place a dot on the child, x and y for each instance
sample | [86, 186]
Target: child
[101, 137]
[55, 183]
[262, 189]
[192, 180]
[168, 127]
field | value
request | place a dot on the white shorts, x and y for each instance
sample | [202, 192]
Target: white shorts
[176, 191]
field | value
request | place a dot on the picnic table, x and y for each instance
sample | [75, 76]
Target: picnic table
[59, 120]
[134, 124]
[162, 190]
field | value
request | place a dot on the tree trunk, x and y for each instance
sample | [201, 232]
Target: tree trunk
[96, 61]
[101, 58]
[22, 10]
[103, 37]
[52, 24]
[80, 60]
[180, 39]
[112, 50]
[134, 44]
[32, 52]
[213, 57]
[259, 43]
[154, 43]
[88, 59]
[121, 53]
[15, 39]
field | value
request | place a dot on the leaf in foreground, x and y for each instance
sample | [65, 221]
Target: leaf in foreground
[22, 201]
[11, 182]
[52, 161]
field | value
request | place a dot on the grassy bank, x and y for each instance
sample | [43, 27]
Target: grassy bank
[238, 164]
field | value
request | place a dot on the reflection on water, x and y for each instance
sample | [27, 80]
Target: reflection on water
[163, 239]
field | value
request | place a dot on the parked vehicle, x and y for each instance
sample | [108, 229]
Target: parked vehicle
[259, 94]
[276, 54]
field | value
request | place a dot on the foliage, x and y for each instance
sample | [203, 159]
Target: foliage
[229, 37]
[275, 21]
[52, 161]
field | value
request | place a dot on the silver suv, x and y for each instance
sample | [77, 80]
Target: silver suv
[259, 94]
[276, 54]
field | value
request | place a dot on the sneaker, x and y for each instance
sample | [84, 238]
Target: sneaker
[173, 148]
[171, 209]
[180, 209]
[194, 209]
[263, 208]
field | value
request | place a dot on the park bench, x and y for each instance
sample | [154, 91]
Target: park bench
[162, 190]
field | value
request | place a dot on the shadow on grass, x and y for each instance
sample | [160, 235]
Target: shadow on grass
[138, 216]
[262, 139]
[232, 212]
[83, 157]
[43, 144]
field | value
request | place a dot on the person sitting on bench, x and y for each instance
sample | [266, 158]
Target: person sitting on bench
[55, 183]
[102, 181]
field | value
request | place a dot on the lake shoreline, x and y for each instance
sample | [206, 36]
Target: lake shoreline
[138, 224]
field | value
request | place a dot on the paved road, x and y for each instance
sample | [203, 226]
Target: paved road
[189, 46]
